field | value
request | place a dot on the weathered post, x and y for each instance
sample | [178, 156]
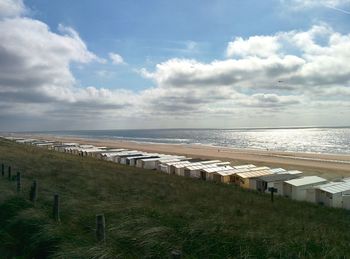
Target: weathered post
[56, 207]
[18, 179]
[272, 190]
[2, 169]
[100, 228]
[33, 195]
[9, 173]
[176, 254]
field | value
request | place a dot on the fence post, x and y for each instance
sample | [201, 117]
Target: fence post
[56, 207]
[176, 254]
[18, 179]
[33, 195]
[2, 169]
[100, 228]
[9, 173]
[272, 190]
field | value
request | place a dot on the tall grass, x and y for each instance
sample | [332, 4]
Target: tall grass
[148, 214]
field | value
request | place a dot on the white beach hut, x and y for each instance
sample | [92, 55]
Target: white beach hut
[152, 163]
[180, 169]
[276, 180]
[296, 189]
[125, 154]
[133, 160]
[160, 163]
[194, 171]
[208, 173]
[330, 194]
[169, 167]
[107, 153]
[63, 146]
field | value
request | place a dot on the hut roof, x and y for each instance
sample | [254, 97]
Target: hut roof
[335, 187]
[306, 180]
[277, 177]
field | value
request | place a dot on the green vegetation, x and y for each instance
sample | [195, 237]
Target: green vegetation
[149, 214]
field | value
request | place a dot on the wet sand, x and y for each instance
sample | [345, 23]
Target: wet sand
[330, 166]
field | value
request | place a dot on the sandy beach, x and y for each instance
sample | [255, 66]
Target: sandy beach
[330, 166]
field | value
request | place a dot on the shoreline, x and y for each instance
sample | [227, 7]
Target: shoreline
[330, 166]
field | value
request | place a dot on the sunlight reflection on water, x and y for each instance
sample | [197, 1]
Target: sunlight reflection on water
[319, 140]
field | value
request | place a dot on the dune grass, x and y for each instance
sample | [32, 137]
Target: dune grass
[149, 214]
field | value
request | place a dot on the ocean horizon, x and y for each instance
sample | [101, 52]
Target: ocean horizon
[333, 140]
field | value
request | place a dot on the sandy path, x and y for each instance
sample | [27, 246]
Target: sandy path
[326, 165]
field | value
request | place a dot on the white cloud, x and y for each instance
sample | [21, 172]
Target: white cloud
[274, 75]
[337, 5]
[260, 46]
[11, 8]
[35, 69]
[299, 65]
[116, 58]
[313, 3]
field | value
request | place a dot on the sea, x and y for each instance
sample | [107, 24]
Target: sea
[313, 140]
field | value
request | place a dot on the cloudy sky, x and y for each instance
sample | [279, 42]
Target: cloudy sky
[109, 64]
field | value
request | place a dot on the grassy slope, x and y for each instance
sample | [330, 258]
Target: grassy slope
[148, 214]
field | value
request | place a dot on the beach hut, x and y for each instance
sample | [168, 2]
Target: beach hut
[63, 146]
[180, 169]
[133, 160]
[194, 171]
[125, 160]
[71, 150]
[152, 163]
[161, 163]
[296, 189]
[118, 158]
[36, 143]
[84, 151]
[246, 179]
[46, 145]
[23, 141]
[107, 153]
[109, 156]
[223, 176]
[263, 183]
[94, 151]
[330, 194]
[78, 150]
[169, 167]
[236, 180]
[207, 173]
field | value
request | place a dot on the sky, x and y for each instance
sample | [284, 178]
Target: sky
[115, 64]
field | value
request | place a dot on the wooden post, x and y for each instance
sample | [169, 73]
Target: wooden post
[33, 195]
[18, 179]
[56, 208]
[100, 228]
[272, 190]
[9, 173]
[176, 254]
[2, 169]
